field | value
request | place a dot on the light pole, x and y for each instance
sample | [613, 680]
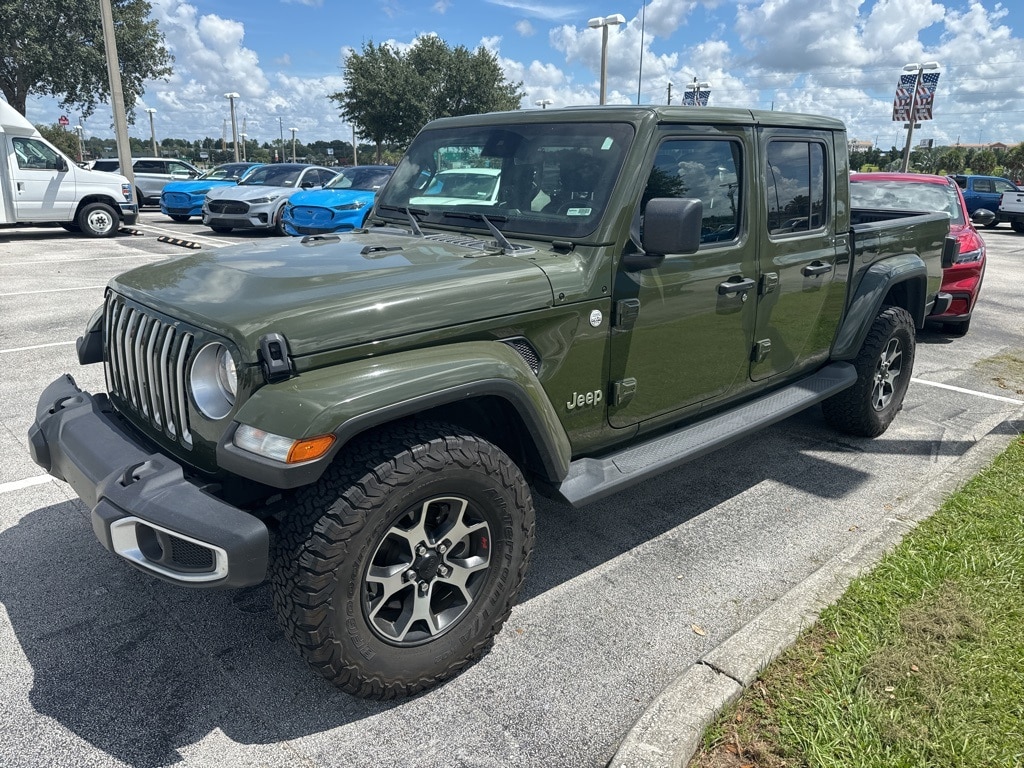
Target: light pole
[603, 22]
[152, 131]
[293, 130]
[919, 70]
[234, 126]
[543, 103]
[78, 132]
[243, 136]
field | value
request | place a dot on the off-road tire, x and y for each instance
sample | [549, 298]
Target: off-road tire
[884, 366]
[179, 218]
[98, 220]
[341, 543]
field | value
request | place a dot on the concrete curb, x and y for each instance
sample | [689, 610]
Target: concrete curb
[669, 732]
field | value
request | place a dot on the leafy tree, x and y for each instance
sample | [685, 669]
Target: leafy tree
[984, 162]
[390, 94]
[955, 160]
[64, 140]
[1015, 161]
[55, 48]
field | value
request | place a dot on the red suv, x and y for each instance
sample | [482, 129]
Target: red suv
[921, 192]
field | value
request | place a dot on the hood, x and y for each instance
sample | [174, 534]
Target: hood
[330, 294]
[189, 187]
[249, 192]
[101, 178]
[328, 198]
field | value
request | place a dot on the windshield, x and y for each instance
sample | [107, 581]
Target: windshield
[229, 172]
[551, 179]
[367, 179]
[898, 195]
[273, 176]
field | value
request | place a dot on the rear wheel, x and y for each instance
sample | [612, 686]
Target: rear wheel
[97, 220]
[884, 366]
[399, 567]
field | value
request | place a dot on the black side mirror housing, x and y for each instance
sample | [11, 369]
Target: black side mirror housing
[671, 225]
[983, 217]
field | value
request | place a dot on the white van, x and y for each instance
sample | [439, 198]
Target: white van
[40, 185]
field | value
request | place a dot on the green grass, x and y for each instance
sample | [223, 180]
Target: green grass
[920, 663]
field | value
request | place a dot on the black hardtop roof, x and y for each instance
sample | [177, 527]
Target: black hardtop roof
[647, 113]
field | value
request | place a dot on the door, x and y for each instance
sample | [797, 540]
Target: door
[682, 331]
[41, 190]
[797, 310]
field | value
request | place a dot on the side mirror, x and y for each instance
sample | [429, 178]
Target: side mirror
[62, 164]
[983, 217]
[307, 185]
[671, 225]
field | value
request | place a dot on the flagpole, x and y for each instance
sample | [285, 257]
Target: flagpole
[920, 68]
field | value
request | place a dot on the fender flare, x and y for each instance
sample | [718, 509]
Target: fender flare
[348, 399]
[878, 281]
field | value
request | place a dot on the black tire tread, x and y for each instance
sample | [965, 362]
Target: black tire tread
[310, 543]
[848, 411]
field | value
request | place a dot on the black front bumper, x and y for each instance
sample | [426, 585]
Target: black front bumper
[143, 507]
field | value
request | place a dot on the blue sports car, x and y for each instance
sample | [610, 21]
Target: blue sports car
[183, 199]
[340, 205]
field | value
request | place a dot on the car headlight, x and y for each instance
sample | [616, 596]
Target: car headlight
[963, 258]
[265, 199]
[214, 381]
[350, 206]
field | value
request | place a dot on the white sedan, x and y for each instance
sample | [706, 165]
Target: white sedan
[257, 202]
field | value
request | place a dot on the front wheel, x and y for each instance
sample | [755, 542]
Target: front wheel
[399, 567]
[884, 366]
[97, 220]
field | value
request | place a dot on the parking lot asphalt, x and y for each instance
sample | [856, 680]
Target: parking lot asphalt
[641, 613]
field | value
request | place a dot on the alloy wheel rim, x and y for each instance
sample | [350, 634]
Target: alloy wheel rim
[427, 571]
[887, 374]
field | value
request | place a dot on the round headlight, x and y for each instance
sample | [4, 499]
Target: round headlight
[214, 381]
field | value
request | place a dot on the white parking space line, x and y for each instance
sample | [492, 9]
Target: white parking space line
[56, 290]
[28, 482]
[963, 391]
[63, 260]
[37, 346]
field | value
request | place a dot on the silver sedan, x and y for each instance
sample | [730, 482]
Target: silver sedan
[258, 201]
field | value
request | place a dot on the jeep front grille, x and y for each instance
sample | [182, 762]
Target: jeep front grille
[146, 365]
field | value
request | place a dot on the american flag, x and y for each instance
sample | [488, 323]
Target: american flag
[901, 105]
[926, 95]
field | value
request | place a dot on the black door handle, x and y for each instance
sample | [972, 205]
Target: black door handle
[744, 284]
[816, 268]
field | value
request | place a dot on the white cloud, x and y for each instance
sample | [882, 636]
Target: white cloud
[525, 28]
[539, 10]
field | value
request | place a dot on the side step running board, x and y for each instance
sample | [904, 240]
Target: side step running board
[592, 479]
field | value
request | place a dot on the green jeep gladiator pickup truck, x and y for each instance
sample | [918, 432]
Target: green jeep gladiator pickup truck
[360, 418]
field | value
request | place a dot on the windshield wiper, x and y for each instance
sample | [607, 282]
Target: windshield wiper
[506, 246]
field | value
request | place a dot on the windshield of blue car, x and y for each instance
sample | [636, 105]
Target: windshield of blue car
[895, 195]
[366, 179]
[551, 179]
[273, 176]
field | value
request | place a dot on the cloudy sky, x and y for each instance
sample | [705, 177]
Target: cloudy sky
[835, 57]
